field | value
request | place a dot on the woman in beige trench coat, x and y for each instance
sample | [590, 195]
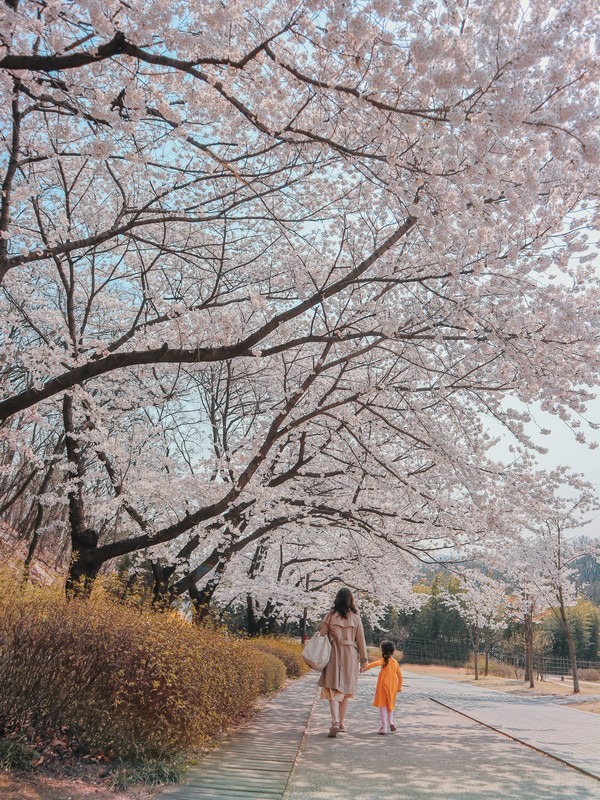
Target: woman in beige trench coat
[339, 679]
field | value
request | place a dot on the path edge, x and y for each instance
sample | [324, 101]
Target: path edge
[299, 748]
[519, 741]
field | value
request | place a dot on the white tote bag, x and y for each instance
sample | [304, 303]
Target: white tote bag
[317, 652]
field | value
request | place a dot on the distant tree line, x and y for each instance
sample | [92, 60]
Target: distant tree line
[437, 633]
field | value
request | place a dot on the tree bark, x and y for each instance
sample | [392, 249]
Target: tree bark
[39, 515]
[85, 564]
[529, 650]
[571, 644]
[250, 615]
[162, 594]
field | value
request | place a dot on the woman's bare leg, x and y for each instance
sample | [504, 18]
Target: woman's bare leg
[334, 707]
[343, 708]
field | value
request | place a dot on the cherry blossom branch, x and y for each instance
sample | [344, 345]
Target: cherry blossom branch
[171, 355]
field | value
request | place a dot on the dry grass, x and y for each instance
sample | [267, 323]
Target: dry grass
[592, 706]
[550, 686]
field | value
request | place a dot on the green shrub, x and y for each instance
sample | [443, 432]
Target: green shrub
[118, 677]
[15, 754]
[155, 772]
[287, 650]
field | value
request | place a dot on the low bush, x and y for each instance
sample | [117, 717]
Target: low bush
[499, 669]
[118, 678]
[15, 754]
[287, 650]
[156, 772]
[589, 674]
[272, 672]
[374, 653]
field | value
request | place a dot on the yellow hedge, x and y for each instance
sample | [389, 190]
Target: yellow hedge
[285, 649]
[122, 678]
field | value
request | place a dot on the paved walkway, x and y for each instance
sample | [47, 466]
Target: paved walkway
[437, 753]
[564, 733]
[255, 762]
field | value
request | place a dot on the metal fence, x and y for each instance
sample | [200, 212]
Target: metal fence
[420, 650]
[543, 664]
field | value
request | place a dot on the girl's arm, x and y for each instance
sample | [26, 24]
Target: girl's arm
[399, 679]
[377, 663]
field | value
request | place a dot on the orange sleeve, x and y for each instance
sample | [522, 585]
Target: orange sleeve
[377, 663]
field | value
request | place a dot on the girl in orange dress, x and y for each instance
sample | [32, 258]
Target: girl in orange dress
[389, 683]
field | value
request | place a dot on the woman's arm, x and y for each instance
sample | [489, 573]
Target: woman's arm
[324, 629]
[360, 641]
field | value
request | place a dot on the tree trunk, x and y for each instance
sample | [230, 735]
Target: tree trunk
[39, 515]
[487, 661]
[201, 598]
[476, 652]
[85, 566]
[529, 650]
[303, 622]
[251, 616]
[267, 623]
[162, 593]
[571, 644]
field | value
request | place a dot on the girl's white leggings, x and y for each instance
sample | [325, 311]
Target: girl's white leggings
[387, 718]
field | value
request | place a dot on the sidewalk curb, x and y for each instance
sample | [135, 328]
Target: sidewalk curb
[300, 743]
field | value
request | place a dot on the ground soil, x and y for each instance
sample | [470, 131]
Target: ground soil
[28, 786]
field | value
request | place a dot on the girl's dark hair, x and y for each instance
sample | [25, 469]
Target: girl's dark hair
[344, 603]
[387, 650]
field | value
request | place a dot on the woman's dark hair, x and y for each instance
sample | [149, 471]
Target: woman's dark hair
[387, 650]
[344, 603]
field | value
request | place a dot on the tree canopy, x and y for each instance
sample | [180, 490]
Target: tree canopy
[266, 272]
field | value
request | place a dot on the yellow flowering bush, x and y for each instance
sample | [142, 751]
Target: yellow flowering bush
[272, 669]
[119, 677]
[285, 649]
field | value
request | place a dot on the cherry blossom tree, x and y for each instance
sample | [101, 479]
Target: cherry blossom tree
[481, 601]
[528, 593]
[343, 237]
[551, 529]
